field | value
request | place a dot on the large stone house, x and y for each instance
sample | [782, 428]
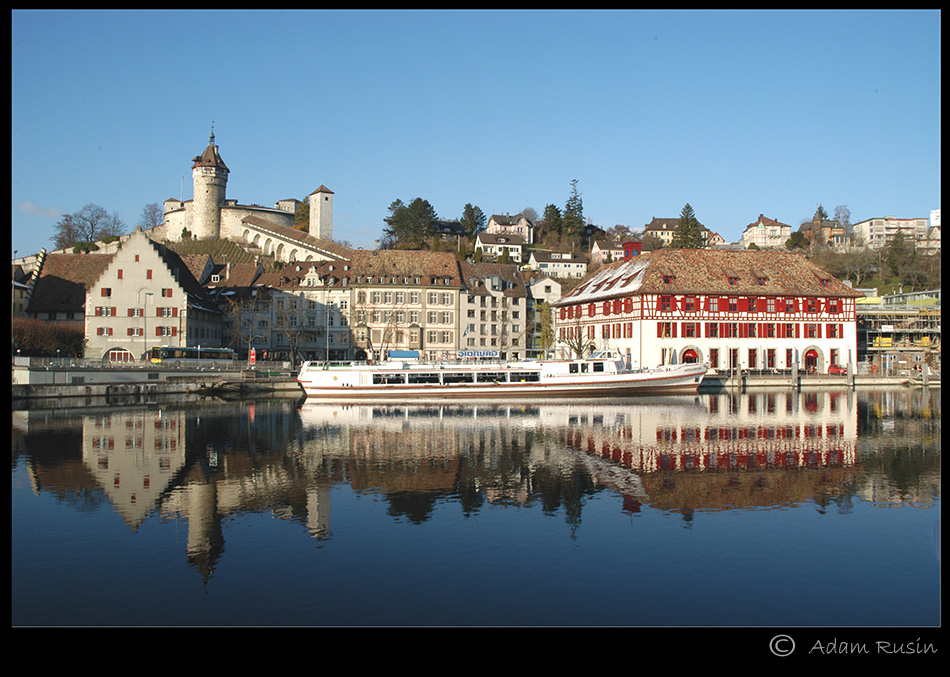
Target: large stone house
[765, 233]
[145, 296]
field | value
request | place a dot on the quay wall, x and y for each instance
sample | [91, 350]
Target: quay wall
[70, 382]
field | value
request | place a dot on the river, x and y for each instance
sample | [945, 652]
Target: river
[732, 509]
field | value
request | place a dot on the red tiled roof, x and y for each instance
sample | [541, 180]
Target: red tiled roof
[63, 282]
[704, 271]
[406, 263]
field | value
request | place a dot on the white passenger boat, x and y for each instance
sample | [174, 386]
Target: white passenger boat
[603, 374]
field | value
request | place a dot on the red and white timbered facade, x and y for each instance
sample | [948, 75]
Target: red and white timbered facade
[749, 310]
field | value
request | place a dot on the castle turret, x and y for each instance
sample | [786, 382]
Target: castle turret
[321, 213]
[210, 176]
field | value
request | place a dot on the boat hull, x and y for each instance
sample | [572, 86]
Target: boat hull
[619, 385]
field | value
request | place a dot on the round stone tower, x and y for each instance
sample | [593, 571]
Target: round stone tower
[321, 213]
[210, 176]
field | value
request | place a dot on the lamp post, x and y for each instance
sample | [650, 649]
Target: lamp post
[145, 326]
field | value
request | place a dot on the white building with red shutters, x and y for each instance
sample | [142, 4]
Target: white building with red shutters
[146, 297]
[748, 310]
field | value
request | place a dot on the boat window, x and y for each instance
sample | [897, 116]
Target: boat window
[458, 377]
[573, 368]
[388, 379]
[492, 377]
[598, 366]
[524, 376]
[424, 377]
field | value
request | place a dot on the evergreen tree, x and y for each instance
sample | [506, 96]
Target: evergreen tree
[473, 220]
[409, 226]
[573, 218]
[552, 220]
[689, 232]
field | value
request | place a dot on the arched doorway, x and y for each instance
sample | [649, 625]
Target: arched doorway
[690, 356]
[812, 359]
[118, 355]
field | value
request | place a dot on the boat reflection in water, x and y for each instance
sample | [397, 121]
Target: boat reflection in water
[748, 441]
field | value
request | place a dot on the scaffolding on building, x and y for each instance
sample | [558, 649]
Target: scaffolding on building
[898, 335]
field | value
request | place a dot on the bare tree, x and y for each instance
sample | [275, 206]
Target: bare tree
[152, 215]
[89, 224]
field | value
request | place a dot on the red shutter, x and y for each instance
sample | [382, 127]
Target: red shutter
[174, 312]
[114, 314]
[158, 312]
[798, 333]
[674, 328]
[659, 330]
[158, 331]
[174, 331]
[743, 304]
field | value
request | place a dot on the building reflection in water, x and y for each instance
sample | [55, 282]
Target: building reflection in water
[209, 463]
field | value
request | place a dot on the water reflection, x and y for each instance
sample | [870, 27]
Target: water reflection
[211, 463]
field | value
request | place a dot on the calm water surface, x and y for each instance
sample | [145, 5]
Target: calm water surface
[757, 509]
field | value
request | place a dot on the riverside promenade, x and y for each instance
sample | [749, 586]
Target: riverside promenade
[74, 382]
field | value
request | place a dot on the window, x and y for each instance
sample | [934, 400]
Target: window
[770, 305]
[752, 305]
[666, 303]
[689, 304]
[148, 273]
[106, 291]
[119, 271]
[714, 358]
[714, 305]
[733, 305]
[167, 293]
[760, 281]
[733, 281]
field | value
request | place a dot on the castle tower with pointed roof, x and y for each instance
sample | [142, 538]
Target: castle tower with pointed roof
[210, 176]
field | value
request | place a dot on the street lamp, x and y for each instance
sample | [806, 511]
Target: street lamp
[145, 326]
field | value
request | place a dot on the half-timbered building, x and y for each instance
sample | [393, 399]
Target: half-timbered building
[748, 310]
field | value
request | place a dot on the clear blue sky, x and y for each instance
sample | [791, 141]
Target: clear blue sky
[736, 113]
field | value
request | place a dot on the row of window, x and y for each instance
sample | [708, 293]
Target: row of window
[400, 297]
[138, 331]
[833, 330]
[710, 304]
[106, 292]
[813, 330]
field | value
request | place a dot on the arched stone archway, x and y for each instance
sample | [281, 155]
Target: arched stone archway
[813, 360]
[690, 354]
[118, 355]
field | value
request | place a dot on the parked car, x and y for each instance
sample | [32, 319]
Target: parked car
[837, 369]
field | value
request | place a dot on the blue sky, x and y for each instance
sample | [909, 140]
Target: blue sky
[736, 113]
